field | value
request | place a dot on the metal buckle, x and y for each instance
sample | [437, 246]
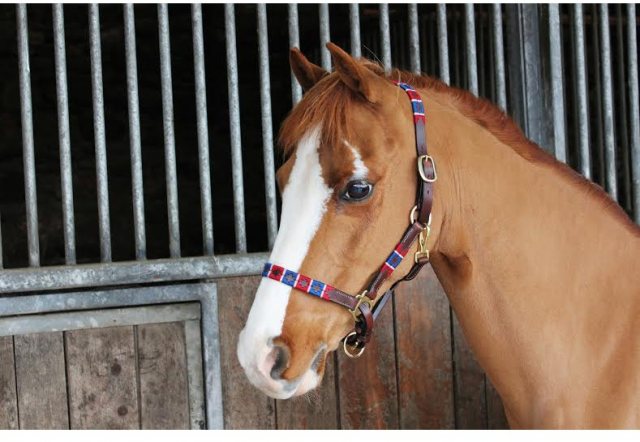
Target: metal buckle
[421, 171]
[351, 350]
[423, 251]
[361, 298]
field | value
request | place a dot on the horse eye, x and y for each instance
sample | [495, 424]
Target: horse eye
[357, 190]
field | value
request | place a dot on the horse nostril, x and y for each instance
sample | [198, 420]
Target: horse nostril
[281, 361]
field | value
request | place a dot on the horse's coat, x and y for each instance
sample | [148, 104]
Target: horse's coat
[540, 266]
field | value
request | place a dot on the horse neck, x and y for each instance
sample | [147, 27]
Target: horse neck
[535, 267]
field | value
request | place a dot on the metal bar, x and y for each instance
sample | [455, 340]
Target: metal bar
[193, 347]
[622, 126]
[385, 38]
[29, 304]
[102, 177]
[595, 87]
[325, 36]
[498, 54]
[294, 42]
[212, 367]
[557, 83]
[528, 95]
[581, 93]
[131, 272]
[119, 317]
[62, 100]
[134, 132]
[414, 39]
[634, 107]
[169, 136]
[472, 61]
[234, 123]
[443, 43]
[204, 168]
[28, 156]
[354, 21]
[607, 104]
[267, 125]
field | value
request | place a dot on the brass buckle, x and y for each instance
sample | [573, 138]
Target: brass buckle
[423, 251]
[361, 298]
[351, 350]
[423, 173]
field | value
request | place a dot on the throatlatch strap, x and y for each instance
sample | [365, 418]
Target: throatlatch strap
[424, 202]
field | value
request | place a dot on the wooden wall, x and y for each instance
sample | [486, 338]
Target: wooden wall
[105, 378]
[417, 373]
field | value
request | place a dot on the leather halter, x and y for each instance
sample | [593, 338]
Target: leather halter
[363, 306]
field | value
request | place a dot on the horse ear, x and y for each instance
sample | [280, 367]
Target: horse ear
[357, 77]
[307, 73]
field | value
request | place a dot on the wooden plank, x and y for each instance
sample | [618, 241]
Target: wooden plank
[101, 365]
[41, 381]
[425, 375]
[496, 418]
[244, 405]
[164, 390]
[471, 406]
[367, 386]
[8, 396]
[316, 410]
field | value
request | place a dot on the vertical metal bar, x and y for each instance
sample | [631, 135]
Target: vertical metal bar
[325, 36]
[99, 133]
[354, 20]
[203, 130]
[607, 104]
[294, 42]
[622, 107]
[581, 93]
[443, 43]
[527, 89]
[414, 39]
[472, 63]
[498, 54]
[385, 38]
[557, 83]
[63, 134]
[169, 136]
[211, 349]
[634, 107]
[134, 132]
[234, 123]
[267, 125]
[28, 156]
[593, 51]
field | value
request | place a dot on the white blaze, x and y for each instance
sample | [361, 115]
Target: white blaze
[360, 171]
[304, 203]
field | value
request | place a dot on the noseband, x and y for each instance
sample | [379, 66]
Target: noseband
[363, 306]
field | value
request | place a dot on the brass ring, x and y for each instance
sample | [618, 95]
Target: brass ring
[345, 346]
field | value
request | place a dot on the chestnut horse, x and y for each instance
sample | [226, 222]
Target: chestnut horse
[541, 267]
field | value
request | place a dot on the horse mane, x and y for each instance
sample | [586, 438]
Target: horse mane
[330, 103]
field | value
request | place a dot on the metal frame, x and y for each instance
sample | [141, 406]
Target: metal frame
[88, 312]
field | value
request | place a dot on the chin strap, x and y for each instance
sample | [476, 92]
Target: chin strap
[363, 306]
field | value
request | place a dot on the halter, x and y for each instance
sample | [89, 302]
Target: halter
[363, 307]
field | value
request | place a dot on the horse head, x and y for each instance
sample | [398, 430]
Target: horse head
[348, 186]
